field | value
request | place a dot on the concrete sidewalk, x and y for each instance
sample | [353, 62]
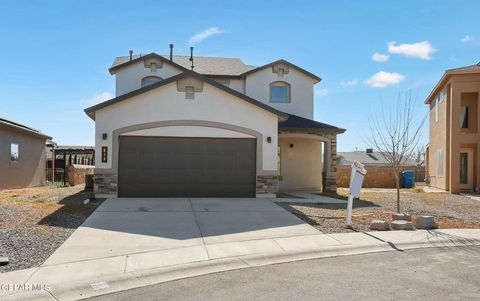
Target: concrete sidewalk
[131, 243]
[83, 279]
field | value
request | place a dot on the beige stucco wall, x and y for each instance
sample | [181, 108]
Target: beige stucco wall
[29, 171]
[300, 165]
[129, 78]
[257, 85]
[167, 104]
[447, 133]
[438, 141]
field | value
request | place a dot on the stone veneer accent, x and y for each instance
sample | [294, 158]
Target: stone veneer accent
[267, 184]
[105, 183]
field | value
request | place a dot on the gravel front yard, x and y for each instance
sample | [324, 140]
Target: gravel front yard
[451, 211]
[34, 222]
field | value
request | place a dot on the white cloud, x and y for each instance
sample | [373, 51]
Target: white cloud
[98, 98]
[467, 38]
[200, 36]
[421, 50]
[321, 92]
[379, 57]
[349, 83]
[383, 79]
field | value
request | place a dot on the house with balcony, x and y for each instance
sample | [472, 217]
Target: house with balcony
[452, 154]
[190, 126]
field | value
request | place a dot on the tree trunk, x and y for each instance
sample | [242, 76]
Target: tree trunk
[397, 183]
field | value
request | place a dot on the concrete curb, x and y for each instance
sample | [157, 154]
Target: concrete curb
[107, 284]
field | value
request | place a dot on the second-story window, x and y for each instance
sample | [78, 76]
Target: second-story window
[280, 92]
[437, 103]
[150, 80]
[464, 117]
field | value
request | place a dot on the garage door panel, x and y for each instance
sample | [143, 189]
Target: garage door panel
[169, 166]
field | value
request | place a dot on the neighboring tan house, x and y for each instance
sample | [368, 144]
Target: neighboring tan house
[379, 171]
[452, 154]
[217, 130]
[22, 155]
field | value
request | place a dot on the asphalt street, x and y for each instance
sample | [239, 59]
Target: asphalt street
[421, 274]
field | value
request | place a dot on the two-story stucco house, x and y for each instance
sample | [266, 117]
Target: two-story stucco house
[453, 153]
[221, 129]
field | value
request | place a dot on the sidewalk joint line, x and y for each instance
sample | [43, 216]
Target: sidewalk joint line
[391, 244]
[50, 293]
[199, 229]
[125, 267]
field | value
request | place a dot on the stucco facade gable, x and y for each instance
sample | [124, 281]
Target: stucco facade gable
[257, 85]
[166, 104]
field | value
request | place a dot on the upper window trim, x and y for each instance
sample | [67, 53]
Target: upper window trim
[281, 84]
[157, 78]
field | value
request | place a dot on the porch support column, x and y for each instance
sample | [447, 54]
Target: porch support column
[331, 164]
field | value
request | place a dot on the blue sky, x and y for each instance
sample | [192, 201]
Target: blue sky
[54, 55]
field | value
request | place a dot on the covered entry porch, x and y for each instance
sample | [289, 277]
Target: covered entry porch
[307, 151]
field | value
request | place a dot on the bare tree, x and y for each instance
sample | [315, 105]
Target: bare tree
[419, 157]
[395, 135]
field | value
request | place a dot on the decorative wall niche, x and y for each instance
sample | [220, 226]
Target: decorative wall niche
[280, 69]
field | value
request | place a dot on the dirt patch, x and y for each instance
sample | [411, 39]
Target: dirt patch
[34, 222]
[451, 211]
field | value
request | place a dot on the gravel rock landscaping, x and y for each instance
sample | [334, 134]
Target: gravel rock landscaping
[34, 222]
[451, 211]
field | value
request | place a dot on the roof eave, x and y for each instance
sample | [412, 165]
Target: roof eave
[443, 80]
[25, 130]
[336, 130]
[113, 69]
[90, 111]
[311, 75]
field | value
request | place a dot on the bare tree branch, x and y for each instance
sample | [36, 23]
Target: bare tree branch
[395, 136]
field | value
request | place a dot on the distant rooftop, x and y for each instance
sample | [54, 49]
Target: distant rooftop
[202, 65]
[367, 158]
[22, 127]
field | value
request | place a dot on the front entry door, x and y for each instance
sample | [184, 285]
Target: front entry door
[466, 169]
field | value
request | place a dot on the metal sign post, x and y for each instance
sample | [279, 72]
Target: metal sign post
[356, 180]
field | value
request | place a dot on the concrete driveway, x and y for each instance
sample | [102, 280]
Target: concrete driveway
[158, 232]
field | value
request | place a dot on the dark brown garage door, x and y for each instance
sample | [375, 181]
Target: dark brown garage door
[186, 167]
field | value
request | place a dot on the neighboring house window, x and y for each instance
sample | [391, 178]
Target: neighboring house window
[464, 117]
[443, 95]
[280, 92]
[440, 163]
[150, 80]
[436, 109]
[189, 92]
[13, 152]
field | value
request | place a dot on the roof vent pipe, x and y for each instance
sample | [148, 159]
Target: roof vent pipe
[191, 56]
[131, 54]
[171, 52]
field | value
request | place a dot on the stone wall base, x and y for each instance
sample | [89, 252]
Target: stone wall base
[267, 185]
[331, 182]
[105, 184]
